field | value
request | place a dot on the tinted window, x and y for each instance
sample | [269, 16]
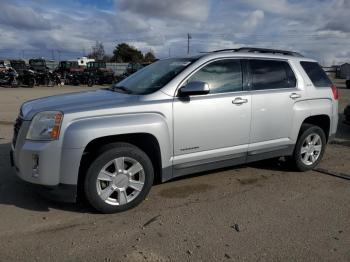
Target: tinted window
[316, 74]
[268, 74]
[222, 76]
[153, 77]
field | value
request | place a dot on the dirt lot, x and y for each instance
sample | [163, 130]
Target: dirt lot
[258, 212]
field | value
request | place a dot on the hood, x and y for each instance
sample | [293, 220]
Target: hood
[75, 102]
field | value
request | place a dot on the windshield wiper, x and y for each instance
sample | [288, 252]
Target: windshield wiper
[120, 88]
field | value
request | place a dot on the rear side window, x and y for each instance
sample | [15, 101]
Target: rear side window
[316, 74]
[269, 74]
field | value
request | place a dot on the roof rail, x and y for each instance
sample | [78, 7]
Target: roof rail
[260, 50]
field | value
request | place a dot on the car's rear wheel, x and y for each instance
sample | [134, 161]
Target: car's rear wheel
[347, 84]
[309, 148]
[31, 82]
[119, 178]
[90, 82]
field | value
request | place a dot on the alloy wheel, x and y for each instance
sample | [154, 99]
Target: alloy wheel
[311, 149]
[120, 181]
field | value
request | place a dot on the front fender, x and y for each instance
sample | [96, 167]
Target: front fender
[80, 132]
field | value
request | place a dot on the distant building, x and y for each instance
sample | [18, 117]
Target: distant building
[344, 71]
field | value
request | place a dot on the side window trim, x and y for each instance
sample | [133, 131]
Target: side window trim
[250, 77]
[185, 79]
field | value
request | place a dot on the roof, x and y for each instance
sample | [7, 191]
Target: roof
[249, 52]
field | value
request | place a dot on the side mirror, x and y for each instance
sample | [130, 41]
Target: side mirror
[194, 88]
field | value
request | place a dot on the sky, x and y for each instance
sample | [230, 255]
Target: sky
[68, 29]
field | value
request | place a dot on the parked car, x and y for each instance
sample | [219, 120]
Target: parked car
[98, 73]
[25, 75]
[43, 75]
[347, 114]
[8, 77]
[70, 71]
[175, 117]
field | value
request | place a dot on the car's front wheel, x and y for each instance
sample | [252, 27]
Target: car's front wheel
[309, 148]
[119, 178]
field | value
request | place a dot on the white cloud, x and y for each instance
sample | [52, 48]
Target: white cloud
[23, 17]
[190, 10]
[254, 19]
[309, 27]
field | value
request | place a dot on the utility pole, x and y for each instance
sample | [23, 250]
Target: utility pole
[188, 43]
[59, 55]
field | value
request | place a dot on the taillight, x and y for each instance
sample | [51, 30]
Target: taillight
[335, 92]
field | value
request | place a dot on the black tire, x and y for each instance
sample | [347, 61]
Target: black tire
[347, 84]
[90, 82]
[108, 153]
[296, 159]
[31, 82]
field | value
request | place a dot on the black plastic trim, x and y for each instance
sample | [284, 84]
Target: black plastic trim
[230, 160]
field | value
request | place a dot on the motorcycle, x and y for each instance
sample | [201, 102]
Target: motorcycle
[9, 78]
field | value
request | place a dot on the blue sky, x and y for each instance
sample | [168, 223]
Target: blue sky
[68, 29]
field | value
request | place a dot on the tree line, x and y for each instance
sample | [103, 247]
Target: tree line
[122, 53]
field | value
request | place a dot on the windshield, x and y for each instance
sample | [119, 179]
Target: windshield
[69, 64]
[18, 65]
[153, 77]
[37, 63]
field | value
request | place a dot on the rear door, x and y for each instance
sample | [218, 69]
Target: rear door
[274, 93]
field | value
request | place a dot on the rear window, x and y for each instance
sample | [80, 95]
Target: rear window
[316, 74]
[271, 74]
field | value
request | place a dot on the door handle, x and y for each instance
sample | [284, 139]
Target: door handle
[294, 96]
[239, 101]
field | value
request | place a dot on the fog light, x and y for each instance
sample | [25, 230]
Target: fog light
[35, 166]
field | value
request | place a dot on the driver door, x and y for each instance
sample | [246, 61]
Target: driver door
[212, 130]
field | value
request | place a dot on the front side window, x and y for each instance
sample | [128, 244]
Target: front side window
[269, 74]
[222, 76]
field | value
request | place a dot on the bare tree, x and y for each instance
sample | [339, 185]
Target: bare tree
[98, 51]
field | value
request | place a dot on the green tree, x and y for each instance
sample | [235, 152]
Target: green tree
[149, 57]
[124, 53]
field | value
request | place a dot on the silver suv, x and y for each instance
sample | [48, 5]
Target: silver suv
[176, 117]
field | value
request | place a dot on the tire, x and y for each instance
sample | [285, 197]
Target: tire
[347, 84]
[302, 161]
[90, 82]
[48, 82]
[111, 191]
[31, 82]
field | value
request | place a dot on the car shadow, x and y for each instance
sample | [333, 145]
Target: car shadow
[343, 132]
[15, 192]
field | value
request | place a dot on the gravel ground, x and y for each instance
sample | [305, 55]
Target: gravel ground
[256, 212]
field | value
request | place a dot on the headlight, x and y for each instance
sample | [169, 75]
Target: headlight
[45, 126]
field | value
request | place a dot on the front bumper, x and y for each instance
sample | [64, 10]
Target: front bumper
[46, 165]
[60, 192]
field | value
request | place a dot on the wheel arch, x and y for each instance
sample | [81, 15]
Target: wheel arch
[323, 121]
[145, 141]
